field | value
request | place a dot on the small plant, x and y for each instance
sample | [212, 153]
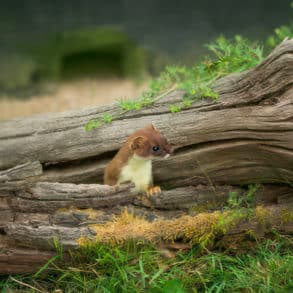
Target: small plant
[93, 124]
[186, 103]
[280, 33]
[228, 56]
[250, 194]
[236, 201]
[107, 118]
[129, 105]
[96, 123]
[174, 108]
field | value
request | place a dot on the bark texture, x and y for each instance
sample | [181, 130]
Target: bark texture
[50, 167]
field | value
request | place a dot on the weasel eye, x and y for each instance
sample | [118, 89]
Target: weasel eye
[156, 148]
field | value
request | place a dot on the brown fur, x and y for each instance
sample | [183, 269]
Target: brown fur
[140, 143]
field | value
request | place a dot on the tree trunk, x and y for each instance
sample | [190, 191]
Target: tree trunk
[244, 137]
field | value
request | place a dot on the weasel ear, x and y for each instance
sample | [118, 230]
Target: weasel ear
[154, 127]
[138, 142]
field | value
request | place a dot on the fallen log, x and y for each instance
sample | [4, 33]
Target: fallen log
[50, 166]
[245, 136]
[37, 216]
[46, 197]
[28, 240]
[19, 260]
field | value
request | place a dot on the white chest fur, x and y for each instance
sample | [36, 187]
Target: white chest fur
[139, 171]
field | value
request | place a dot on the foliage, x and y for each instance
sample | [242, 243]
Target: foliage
[92, 124]
[280, 33]
[143, 268]
[227, 56]
[107, 118]
[129, 105]
[247, 200]
[174, 108]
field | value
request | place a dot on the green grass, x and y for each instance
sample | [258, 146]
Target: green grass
[269, 269]
[141, 268]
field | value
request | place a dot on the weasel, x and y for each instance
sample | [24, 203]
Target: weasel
[133, 162]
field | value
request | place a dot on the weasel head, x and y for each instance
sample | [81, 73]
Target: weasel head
[149, 143]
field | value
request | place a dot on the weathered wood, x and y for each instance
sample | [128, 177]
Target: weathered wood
[23, 171]
[20, 176]
[46, 197]
[49, 197]
[32, 228]
[21, 260]
[70, 205]
[246, 136]
[16, 260]
[42, 234]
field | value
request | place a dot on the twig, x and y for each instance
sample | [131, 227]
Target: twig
[155, 99]
[27, 285]
[166, 92]
[207, 176]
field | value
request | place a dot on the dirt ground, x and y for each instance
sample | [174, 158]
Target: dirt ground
[72, 95]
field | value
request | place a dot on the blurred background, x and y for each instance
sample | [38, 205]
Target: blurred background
[62, 55]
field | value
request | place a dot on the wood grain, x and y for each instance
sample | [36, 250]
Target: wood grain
[51, 168]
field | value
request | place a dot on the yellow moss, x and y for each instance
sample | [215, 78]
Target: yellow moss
[262, 215]
[91, 213]
[201, 228]
[204, 207]
[83, 241]
[251, 233]
[64, 210]
[286, 216]
[123, 227]
[230, 219]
